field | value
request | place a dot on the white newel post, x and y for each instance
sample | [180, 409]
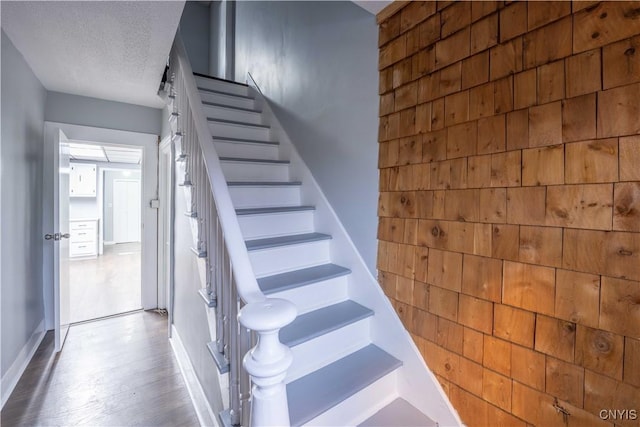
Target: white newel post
[268, 361]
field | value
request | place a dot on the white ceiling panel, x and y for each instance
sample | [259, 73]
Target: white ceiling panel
[87, 152]
[113, 50]
[104, 153]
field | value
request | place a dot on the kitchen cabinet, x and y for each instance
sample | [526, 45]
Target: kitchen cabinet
[84, 238]
[82, 180]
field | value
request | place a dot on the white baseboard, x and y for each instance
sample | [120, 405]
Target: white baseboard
[12, 376]
[205, 414]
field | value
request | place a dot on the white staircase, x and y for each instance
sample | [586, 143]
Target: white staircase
[353, 363]
[302, 333]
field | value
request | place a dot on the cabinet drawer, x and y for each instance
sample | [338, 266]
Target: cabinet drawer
[82, 248]
[83, 225]
[83, 235]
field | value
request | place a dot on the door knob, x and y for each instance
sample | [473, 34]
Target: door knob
[56, 236]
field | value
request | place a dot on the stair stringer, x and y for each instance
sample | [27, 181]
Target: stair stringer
[415, 381]
[223, 379]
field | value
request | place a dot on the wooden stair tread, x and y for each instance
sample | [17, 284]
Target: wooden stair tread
[293, 239]
[322, 321]
[242, 140]
[237, 123]
[321, 390]
[283, 209]
[264, 184]
[399, 413]
[243, 160]
[217, 92]
[306, 276]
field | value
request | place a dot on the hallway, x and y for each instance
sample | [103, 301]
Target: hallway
[119, 371]
[107, 285]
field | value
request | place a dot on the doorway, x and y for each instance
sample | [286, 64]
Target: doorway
[148, 170]
[105, 221]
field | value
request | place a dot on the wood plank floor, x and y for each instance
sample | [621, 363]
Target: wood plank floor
[119, 371]
[107, 285]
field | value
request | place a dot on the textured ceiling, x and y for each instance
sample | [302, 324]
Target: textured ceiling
[113, 50]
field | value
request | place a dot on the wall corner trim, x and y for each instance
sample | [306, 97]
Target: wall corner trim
[205, 413]
[12, 376]
[390, 10]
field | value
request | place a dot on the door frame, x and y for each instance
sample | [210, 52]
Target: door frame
[137, 181]
[149, 145]
[166, 211]
[60, 211]
[101, 182]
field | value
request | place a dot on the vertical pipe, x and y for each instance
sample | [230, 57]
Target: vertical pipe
[230, 40]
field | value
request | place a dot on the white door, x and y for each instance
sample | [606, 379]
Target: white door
[60, 238]
[126, 210]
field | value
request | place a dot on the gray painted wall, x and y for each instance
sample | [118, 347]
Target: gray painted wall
[194, 29]
[82, 110]
[22, 305]
[189, 316]
[317, 62]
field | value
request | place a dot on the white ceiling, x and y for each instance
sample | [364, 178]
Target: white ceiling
[113, 50]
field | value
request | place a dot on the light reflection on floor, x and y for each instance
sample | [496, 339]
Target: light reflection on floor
[107, 285]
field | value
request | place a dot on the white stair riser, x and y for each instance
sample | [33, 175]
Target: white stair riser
[215, 112]
[328, 348]
[316, 295]
[276, 224]
[360, 406]
[233, 101]
[247, 151]
[264, 197]
[239, 171]
[221, 86]
[239, 131]
[270, 261]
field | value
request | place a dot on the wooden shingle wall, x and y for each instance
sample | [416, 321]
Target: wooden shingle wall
[509, 210]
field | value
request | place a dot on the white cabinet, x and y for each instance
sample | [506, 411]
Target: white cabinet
[82, 180]
[84, 238]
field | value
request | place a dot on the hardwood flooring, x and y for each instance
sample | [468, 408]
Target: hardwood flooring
[119, 371]
[107, 285]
